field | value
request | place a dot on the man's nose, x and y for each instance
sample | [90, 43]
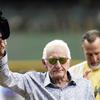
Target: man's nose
[58, 65]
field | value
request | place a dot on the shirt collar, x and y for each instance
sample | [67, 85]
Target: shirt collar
[47, 80]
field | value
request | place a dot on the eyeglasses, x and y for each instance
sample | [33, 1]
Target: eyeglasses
[54, 60]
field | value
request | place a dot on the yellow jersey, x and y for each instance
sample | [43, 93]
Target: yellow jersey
[83, 70]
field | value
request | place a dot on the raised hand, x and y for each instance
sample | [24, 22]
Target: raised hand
[3, 44]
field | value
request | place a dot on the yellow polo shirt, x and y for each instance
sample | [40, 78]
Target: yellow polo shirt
[83, 70]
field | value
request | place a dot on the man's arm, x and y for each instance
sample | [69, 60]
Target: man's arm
[7, 78]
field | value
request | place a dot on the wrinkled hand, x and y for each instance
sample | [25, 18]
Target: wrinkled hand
[3, 44]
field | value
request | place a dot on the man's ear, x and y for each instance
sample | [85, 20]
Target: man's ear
[44, 63]
[82, 47]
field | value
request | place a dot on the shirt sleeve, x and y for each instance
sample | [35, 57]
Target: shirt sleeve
[11, 79]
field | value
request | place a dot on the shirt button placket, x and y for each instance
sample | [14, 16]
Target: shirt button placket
[61, 94]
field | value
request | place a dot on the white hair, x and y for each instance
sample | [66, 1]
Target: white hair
[53, 44]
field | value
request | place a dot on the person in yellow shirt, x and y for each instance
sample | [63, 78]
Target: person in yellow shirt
[90, 68]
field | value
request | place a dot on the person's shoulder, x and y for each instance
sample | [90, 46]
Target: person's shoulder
[82, 79]
[38, 77]
[83, 82]
[77, 70]
[35, 75]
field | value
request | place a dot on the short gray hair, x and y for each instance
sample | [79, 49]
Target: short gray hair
[91, 35]
[55, 43]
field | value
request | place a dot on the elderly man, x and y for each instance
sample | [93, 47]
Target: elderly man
[90, 68]
[55, 84]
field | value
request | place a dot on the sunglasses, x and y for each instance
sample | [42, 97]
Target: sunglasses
[54, 60]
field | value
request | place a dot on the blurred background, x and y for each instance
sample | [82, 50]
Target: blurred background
[33, 23]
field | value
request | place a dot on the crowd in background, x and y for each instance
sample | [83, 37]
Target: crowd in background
[47, 15]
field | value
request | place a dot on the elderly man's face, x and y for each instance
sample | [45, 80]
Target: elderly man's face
[92, 53]
[57, 63]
